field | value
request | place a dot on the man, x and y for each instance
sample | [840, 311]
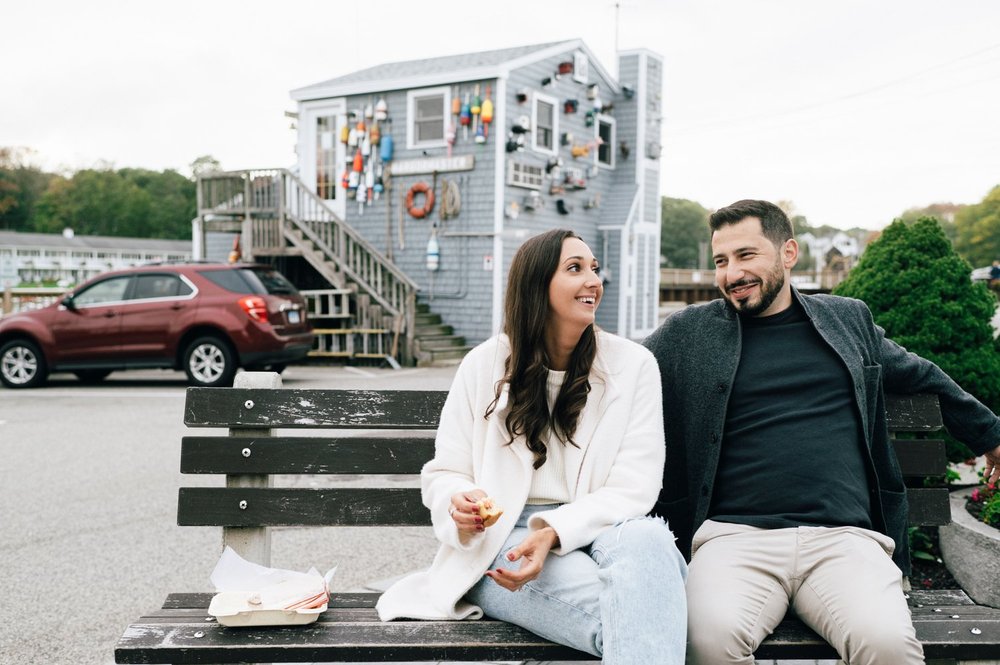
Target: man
[778, 454]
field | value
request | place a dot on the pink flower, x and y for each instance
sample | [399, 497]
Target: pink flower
[976, 497]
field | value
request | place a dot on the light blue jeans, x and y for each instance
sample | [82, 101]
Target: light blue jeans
[621, 599]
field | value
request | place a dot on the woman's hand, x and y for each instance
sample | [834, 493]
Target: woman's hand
[533, 550]
[465, 512]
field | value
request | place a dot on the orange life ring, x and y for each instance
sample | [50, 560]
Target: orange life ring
[420, 188]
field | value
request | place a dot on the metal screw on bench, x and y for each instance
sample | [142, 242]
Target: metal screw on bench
[248, 404]
[975, 631]
[246, 452]
[243, 504]
[199, 634]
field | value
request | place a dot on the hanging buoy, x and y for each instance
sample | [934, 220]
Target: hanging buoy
[345, 133]
[465, 117]
[449, 136]
[381, 109]
[433, 252]
[375, 135]
[385, 144]
[420, 188]
[486, 114]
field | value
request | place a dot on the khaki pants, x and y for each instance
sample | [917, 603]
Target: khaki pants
[840, 581]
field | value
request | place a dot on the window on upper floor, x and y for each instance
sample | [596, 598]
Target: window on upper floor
[427, 110]
[605, 126]
[544, 123]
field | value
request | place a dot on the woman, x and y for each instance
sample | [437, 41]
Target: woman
[562, 426]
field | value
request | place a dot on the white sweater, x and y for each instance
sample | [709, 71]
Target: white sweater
[615, 473]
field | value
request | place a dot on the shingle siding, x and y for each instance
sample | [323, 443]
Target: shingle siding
[461, 291]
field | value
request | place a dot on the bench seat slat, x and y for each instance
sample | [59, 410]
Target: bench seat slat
[342, 409]
[194, 640]
[381, 506]
[309, 455]
[345, 634]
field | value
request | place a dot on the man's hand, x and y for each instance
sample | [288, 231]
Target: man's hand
[992, 472]
[533, 550]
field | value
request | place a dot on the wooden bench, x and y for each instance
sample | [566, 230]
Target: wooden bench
[399, 441]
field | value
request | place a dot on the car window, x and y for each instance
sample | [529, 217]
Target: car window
[159, 286]
[257, 281]
[105, 291]
[272, 280]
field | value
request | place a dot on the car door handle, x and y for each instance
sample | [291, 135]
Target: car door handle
[110, 315]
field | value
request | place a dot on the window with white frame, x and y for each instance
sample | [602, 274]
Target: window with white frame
[606, 145]
[545, 124]
[427, 109]
[326, 157]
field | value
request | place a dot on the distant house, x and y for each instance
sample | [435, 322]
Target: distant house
[509, 143]
[71, 259]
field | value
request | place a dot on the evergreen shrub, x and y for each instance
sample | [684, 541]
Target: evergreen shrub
[919, 290]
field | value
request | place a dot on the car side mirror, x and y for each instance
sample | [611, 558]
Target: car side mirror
[68, 303]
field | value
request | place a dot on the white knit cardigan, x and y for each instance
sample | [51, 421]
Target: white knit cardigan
[613, 473]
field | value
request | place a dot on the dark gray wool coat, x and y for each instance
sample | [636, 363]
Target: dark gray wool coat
[698, 350]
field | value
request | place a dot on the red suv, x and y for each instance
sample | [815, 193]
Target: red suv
[207, 319]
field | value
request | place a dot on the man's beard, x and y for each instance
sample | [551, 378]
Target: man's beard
[770, 286]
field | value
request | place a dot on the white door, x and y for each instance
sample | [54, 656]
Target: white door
[322, 157]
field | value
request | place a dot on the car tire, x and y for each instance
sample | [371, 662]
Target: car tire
[92, 376]
[209, 363]
[22, 364]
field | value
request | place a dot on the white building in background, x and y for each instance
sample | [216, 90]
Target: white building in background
[69, 259]
[839, 249]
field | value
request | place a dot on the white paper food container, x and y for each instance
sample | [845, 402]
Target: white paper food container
[231, 609]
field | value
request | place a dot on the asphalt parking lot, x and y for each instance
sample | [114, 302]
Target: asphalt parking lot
[88, 534]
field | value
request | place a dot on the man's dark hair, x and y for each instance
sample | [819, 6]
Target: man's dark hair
[773, 220]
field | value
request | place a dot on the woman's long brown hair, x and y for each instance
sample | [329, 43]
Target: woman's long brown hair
[526, 315]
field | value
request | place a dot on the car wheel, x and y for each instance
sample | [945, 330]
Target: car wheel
[91, 376]
[22, 365]
[209, 363]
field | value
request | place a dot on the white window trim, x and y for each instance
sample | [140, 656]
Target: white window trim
[539, 97]
[598, 119]
[411, 115]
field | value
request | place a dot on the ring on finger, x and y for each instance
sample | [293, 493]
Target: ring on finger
[451, 509]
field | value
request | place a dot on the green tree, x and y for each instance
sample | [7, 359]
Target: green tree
[21, 185]
[204, 164]
[95, 202]
[173, 201]
[977, 230]
[683, 229]
[943, 212]
[129, 202]
[919, 291]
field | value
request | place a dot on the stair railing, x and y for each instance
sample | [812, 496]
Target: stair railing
[274, 202]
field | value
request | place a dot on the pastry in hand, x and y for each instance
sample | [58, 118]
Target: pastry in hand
[489, 511]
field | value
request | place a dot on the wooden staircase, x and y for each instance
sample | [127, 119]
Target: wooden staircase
[277, 215]
[436, 342]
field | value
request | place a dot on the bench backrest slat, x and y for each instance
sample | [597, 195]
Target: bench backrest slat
[913, 413]
[341, 409]
[294, 506]
[387, 454]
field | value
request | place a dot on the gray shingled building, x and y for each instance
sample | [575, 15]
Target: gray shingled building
[567, 144]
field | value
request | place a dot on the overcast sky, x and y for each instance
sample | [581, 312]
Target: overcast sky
[853, 110]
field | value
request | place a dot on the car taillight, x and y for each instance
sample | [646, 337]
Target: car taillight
[255, 307]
